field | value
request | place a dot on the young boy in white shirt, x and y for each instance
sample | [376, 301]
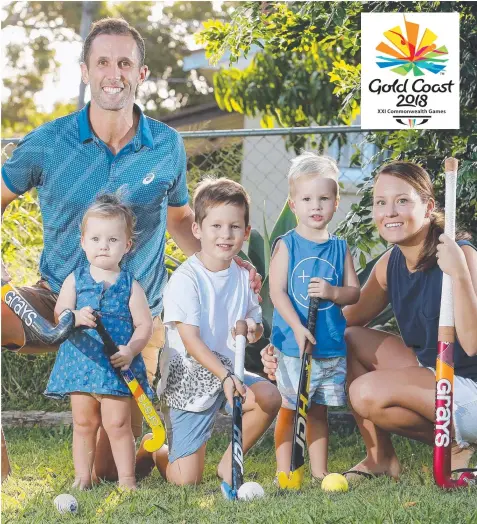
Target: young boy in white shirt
[203, 300]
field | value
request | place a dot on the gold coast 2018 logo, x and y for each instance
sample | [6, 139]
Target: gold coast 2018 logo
[410, 76]
[407, 55]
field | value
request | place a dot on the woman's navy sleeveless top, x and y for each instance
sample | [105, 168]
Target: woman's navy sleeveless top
[416, 300]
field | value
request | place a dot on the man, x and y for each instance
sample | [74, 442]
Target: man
[109, 145]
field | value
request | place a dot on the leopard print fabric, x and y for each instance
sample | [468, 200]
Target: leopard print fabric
[188, 381]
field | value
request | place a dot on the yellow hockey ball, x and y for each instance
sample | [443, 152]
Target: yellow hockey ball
[334, 482]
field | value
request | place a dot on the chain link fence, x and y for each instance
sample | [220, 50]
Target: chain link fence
[258, 158]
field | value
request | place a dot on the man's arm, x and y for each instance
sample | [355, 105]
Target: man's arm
[179, 225]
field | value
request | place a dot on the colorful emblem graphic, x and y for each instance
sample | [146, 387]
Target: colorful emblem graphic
[407, 56]
[411, 122]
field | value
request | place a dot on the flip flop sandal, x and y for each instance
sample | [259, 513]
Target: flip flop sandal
[364, 474]
[464, 470]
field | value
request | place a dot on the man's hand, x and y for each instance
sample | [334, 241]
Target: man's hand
[5, 275]
[84, 317]
[254, 333]
[255, 278]
[269, 361]
[320, 288]
[123, 358]
[231, 385]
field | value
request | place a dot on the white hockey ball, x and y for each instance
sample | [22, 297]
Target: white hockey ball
[250, 491]
[66, 503]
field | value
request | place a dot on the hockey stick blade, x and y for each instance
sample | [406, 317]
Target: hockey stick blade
[294, 480]
[142, 400]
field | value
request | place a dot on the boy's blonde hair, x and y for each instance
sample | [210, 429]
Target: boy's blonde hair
[110, 205]
[307, 164]
[211, 192]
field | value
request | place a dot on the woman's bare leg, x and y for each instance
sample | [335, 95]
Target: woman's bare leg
[370, 350]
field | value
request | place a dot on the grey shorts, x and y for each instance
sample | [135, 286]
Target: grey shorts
[188, 431]
[327, 384]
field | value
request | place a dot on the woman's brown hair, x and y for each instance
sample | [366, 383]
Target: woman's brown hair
[419, 179]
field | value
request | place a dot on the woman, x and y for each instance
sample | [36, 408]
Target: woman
[390, 378]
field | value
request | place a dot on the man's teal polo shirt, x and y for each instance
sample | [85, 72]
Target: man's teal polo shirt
[70, 165]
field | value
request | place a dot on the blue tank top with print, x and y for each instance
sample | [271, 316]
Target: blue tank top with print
[307, 259]
[416, 302]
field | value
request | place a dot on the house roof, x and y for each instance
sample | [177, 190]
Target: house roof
[204, 116]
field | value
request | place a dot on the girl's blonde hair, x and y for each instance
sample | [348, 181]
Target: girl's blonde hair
[110, 205]
[309, 163]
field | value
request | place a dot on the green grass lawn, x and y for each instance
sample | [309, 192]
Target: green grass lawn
[42, 468]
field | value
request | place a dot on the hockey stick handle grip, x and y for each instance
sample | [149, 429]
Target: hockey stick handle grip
[241, 330]
[311, 321]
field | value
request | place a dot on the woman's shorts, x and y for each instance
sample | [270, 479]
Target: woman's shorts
[188, 431]
[327, 384]
[465, 410]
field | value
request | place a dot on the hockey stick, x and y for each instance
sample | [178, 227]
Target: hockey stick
[295, 478]
[445, 356]
[43, 330]
[241, 330]
[142, 400]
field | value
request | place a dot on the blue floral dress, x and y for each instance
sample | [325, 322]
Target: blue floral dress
[81, 364]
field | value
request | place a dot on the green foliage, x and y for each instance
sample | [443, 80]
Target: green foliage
[288, 32]
[299, 83]
[287, 83]
[43, 468]
[24, 379]
[259, 251]
[42, 25]
[22, 238]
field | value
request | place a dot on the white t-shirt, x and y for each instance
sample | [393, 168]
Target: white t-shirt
[212, 301]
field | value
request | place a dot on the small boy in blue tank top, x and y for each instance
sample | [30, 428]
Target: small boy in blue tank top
[309, 256]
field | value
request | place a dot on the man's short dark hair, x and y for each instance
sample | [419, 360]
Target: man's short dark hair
[113, 26]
